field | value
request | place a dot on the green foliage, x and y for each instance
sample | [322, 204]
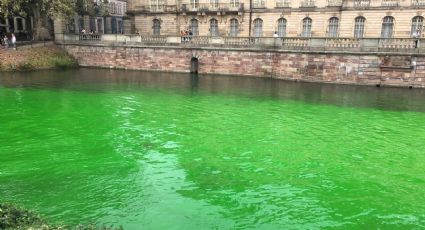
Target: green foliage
[50, 8]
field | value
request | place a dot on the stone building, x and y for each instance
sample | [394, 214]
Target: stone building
[291, 18]
[107, 18]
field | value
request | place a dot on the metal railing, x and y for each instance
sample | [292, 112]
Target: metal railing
[410, 45]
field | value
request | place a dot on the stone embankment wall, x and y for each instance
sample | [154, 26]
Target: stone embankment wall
[348, 68]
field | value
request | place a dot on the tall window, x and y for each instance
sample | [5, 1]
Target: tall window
[359, 27]
[214, 4]
[234, 3]
[114, 25]
[259, 4]
[80, 24]
[157, 5]
[387, 27]
[156, 27]
[307, 22]
[258, 27]
[214, 27]
[333, 27]
[417, 25]
[194, 4]
[194, 27]
[234, 27]
[281, 27]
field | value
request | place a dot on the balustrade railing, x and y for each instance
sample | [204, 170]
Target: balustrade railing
[282, 43]
[89, 37]
[397, 44]
[342, 43]
[153, 40]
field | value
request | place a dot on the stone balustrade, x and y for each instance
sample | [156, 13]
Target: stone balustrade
[404, 45]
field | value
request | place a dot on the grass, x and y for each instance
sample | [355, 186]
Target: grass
[13, 217]
[51, 57]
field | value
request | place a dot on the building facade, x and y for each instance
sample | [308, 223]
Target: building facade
[287, 18]
[107, 18]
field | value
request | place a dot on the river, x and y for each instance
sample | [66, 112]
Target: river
[173, 151]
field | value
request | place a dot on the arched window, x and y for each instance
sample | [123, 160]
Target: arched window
[417, 25]
[387, 27]
[281, 27]
[258, 27]
[307, 22]
[214, 27]
[359, 27]
[234, 27]
[156, 27]
[333, 27]
[194, 27]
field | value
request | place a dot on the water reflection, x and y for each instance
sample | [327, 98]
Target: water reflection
[399, 99]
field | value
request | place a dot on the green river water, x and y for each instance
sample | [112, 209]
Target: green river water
[170, 151]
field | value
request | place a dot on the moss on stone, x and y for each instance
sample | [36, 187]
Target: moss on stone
[51, 57]
[13, 217]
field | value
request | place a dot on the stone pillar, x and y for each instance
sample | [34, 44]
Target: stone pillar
[128, 26]
[59, 29]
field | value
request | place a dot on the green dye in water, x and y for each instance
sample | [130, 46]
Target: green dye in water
[167, 151]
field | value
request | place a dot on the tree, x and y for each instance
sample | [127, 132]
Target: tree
[40, 10]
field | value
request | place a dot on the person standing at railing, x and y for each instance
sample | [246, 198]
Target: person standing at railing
[417, 36]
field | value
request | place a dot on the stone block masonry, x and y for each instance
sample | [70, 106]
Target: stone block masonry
[404, 70]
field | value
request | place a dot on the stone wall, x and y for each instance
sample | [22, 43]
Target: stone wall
[347, 68]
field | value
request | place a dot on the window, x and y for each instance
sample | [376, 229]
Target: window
[157, 5]
[214, 27]
[114, 25]
[194, 4]
[19, 24]
[359, 27]
[234, 3]
[194, 27]
[417, 25]
[259, 4]
[387, 27]
[307, 22]
[258, 27]
[281, 27]
[333, 27]
[80, 24]
[156, 27]
[234, 27]
[283, 3]
[214, 4]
